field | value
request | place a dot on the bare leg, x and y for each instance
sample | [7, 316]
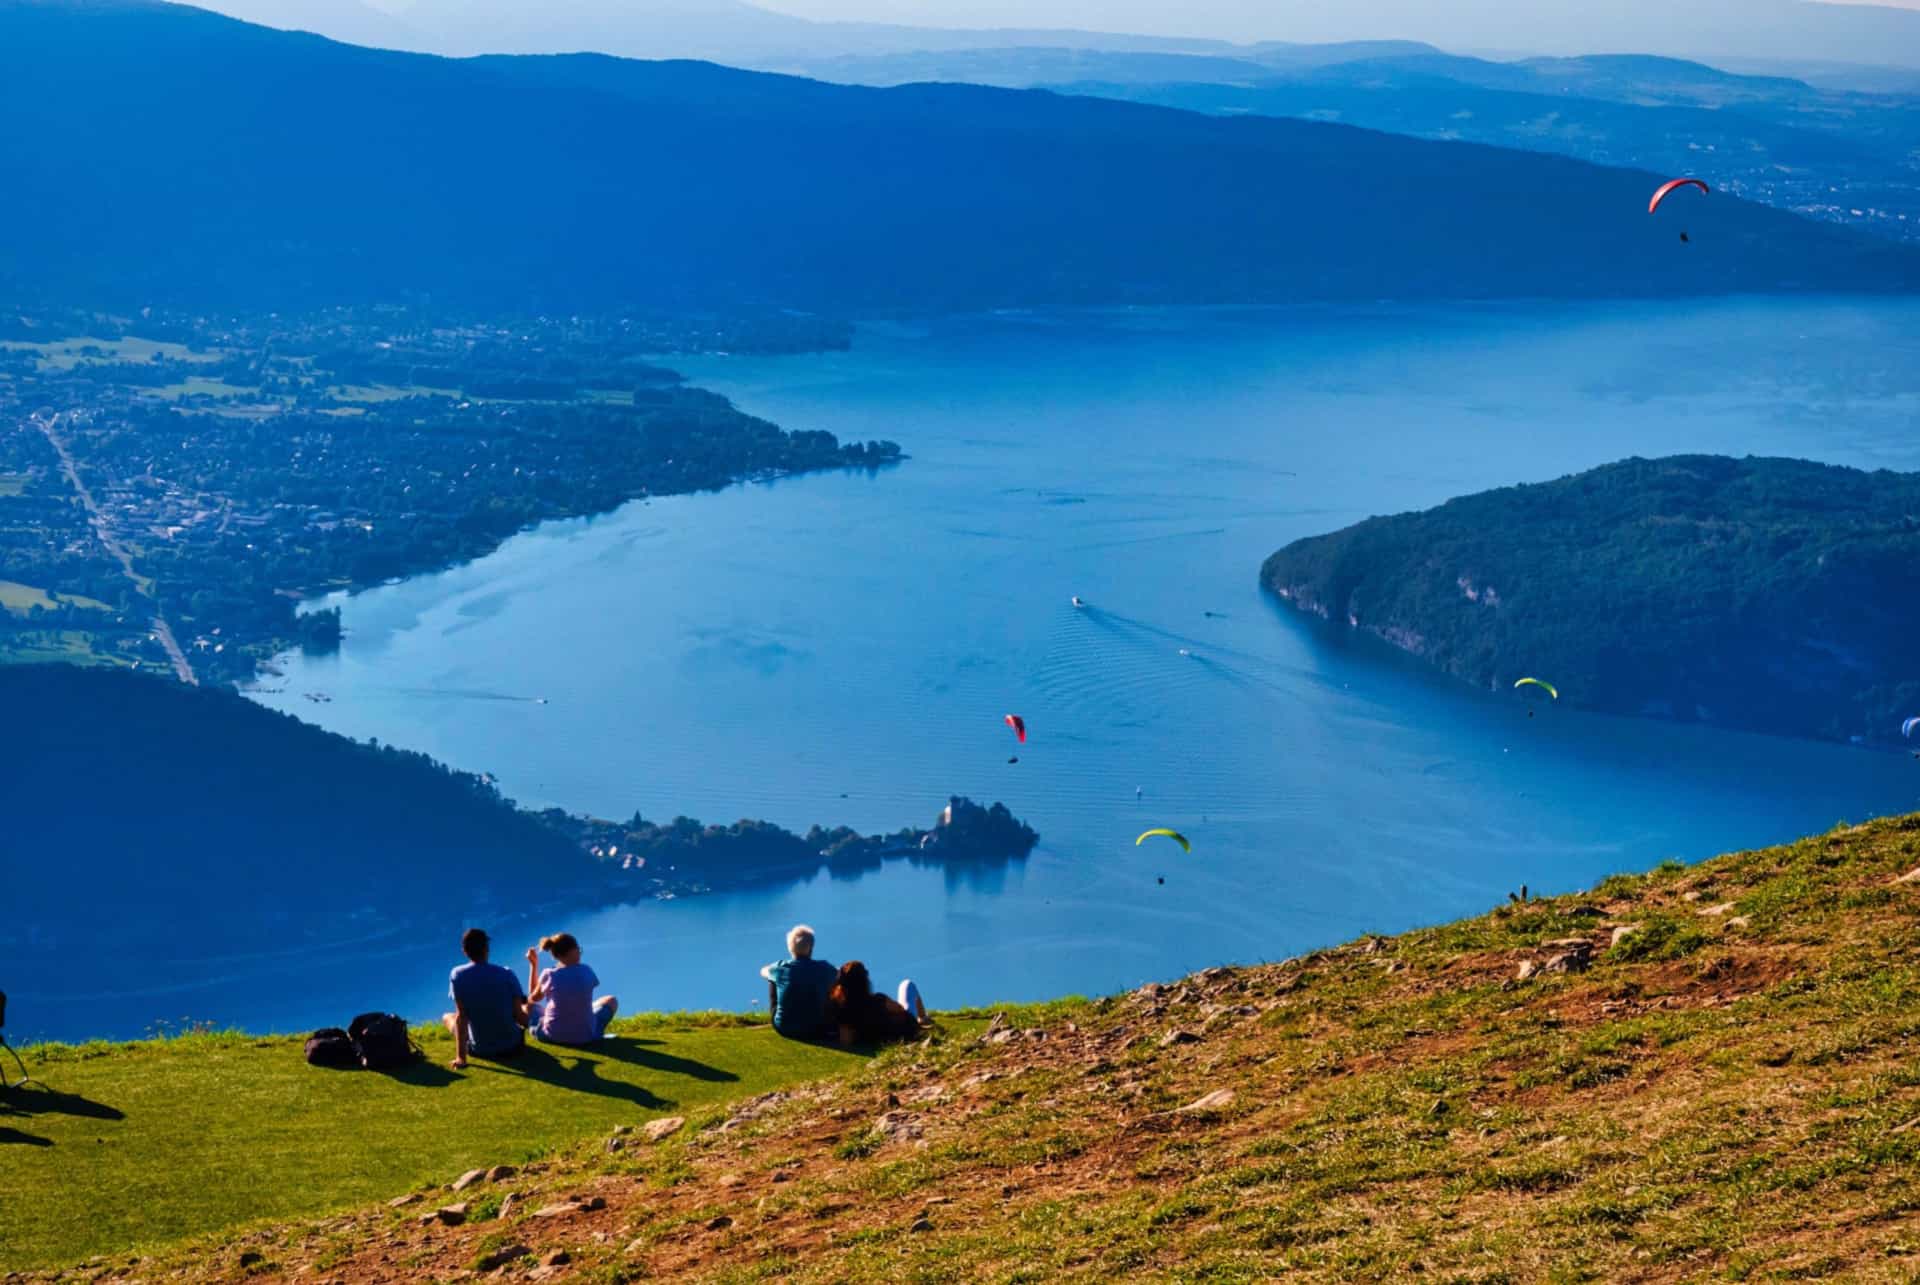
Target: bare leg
[603, 1010]
[451, 1022]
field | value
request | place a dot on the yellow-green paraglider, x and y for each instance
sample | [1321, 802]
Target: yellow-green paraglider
[1548, 688]
[1175, 835]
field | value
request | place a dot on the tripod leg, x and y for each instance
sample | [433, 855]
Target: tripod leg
[24, 1079]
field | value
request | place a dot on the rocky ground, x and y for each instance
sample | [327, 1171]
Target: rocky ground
[1705, 1071]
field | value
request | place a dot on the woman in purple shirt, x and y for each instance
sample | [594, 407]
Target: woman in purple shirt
[561, 1001]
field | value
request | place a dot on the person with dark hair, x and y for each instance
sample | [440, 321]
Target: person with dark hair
[862, 1017]
[561, 998]
[489, 1017]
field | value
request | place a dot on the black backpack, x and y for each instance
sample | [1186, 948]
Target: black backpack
[333, 1048]
[380, 1040]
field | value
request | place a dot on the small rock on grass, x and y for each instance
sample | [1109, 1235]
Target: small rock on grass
[1622, 932]
[501, 1257]
[467, 1179]
[1174, 1037]
[400, 1202]
[500, 1173]
[921, 1225]
[1218, 1100]
[719, 1222]
[447, 1215]
[665, 1128]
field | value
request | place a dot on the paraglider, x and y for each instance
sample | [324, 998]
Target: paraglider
[1548, 688]
[1906, 728]
[1077, 601]
[1019, 726]
[1667, 189]
[1175, 835]
[1014, 759]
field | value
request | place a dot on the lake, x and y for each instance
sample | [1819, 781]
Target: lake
[842, 648]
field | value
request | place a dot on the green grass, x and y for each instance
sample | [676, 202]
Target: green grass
[73, 646]
[15, 596]
[374, 394]
[65, 354]
[194, 1135]
[200, 386]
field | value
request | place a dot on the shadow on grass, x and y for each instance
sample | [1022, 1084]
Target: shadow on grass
[49, 1102]
[579, 1071]
[636, 1052]
[13, 1138]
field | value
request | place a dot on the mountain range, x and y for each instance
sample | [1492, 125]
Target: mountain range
[1835, 154]
[291, 171]
[749, 35]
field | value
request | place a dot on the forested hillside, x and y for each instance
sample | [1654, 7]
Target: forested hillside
[165, 810]
[1771, 594]
[297, 173]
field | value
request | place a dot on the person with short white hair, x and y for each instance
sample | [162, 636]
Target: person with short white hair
[797, 988]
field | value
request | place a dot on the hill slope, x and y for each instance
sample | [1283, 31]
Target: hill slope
[177, 807]
[1705, 1071]
[1769, 594]
[296, 173]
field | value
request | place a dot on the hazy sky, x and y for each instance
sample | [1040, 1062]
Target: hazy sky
[1094, 15]
[1781, 27]
[1707, 29]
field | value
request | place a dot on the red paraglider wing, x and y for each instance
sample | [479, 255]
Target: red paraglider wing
[1019, 726]
[1661, 194]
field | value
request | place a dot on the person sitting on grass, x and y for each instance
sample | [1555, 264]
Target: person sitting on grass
[489, 1017]
[561, 1000]
[862, 1017]
[797, 989]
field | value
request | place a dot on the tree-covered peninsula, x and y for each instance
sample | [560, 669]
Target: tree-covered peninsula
[146, 816]
[1768, 594]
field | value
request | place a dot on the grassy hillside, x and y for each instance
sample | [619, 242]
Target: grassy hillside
[1706, 1071]
[202, 1133]
[279, 170]
[1771, 594]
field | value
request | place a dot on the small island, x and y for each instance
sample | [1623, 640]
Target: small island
[1772, 595]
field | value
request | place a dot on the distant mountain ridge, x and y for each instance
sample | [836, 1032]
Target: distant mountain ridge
[1775, 595]
[302, 173]
[750, 35]
[1835, 155]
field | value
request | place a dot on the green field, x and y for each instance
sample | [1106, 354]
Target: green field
[373, 394]
[73, 646]
[183, 1137]
[65, 354]
[15, 596]
[202, 387]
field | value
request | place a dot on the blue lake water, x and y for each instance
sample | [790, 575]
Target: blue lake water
[842, 648]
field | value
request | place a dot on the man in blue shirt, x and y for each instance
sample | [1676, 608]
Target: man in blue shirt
[489, 1017]
[797, 988]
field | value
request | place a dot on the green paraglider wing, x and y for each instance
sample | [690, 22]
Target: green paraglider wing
[1548, 688]
[1175, 835]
